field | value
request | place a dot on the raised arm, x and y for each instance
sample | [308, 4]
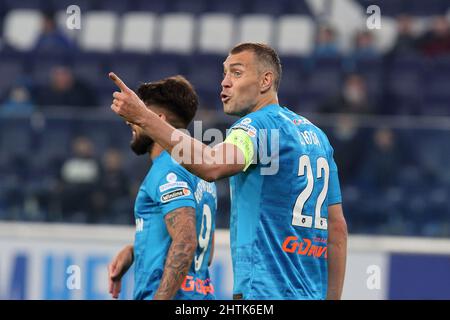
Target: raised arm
[337, 251]
[180, 224]
[223, 160]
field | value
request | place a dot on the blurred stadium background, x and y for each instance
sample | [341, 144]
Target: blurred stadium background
[68, 178]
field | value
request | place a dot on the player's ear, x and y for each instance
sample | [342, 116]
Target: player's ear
[266, 81]
[162, 116]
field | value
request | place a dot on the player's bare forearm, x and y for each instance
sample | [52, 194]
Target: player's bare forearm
[208, 163]
[205, 162]
[118, 267]
[177, 266]
[336, 270]
[181, 227]
[337, 252]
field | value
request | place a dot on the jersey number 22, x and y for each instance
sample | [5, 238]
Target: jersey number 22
[300, 219]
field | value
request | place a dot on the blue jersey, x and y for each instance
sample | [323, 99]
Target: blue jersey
[279, 207]
[168, 186]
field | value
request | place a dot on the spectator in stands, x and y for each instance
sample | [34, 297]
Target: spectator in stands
[52, 39]
[18, 101]
[65, 90]
[364, 46]
[350, 146]
[383, 160]
[326, 45]
[111, 201]
[406, 41]
[436, 41]
[114, 180]
[353, 98]
[79, 178]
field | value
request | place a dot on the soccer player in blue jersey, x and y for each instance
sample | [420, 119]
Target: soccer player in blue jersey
[288, 232]
[174, 210]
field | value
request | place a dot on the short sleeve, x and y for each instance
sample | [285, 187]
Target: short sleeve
[334, 190]
[175, 190]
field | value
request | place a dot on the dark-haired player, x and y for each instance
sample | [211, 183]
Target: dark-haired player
[174, 210]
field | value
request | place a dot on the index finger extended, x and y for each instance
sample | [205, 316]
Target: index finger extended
[122, 86]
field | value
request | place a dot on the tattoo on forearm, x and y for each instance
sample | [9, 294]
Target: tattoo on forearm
[181, 226]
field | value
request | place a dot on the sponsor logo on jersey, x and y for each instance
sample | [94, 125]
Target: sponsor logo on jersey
[169, 196]
[170, 185]
[171, 177]
[246, 121]
[304, 247]
[251, 130]
[297, 122]
[201, 286]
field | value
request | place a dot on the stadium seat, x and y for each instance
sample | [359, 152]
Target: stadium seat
[256, 28]
[295, 35]
[15, 136]
[120, 136]
[273, 8]
[161, 66]
[205, 73]
[427, 8]
[117, 6]
[215, 33]
[14, 69]
[292, 82]
[306, 102]
[436, 85]
[98, 31]
[325, 75]
[440, 64]
[390, 8]
[22, 28]
[405, 77]
[234, 7]
[127, 69]
[138, 32]
[154, 6]
[100, 133]
[302, 7]
[85, 5]
[55, 139]
[191, 6]
[435, 106]
[177, 33]
[24, 4]
[91, 68]
[435, 89]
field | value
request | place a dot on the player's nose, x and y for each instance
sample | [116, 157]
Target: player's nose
[226, 82]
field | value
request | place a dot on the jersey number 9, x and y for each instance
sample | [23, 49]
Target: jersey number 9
[203, 241]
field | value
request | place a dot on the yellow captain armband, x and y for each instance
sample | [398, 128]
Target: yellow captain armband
[242, 140]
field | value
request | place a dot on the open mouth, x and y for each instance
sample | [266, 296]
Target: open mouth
[225, 98]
